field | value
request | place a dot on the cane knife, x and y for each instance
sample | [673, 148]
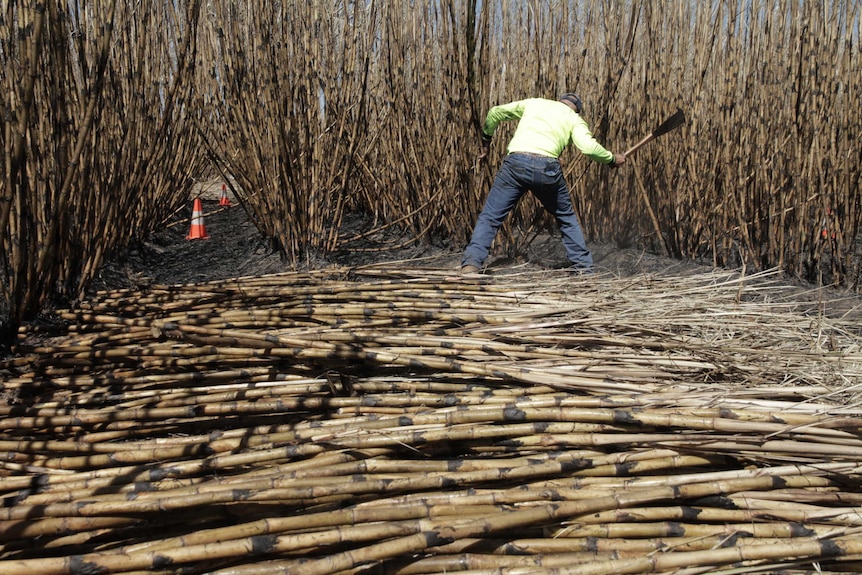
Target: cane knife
[675, 121]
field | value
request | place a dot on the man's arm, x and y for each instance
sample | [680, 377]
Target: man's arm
[501, 113]
[584, 141]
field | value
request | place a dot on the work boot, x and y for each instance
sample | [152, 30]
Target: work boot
[469, 269]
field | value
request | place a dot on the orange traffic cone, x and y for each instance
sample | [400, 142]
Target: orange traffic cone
[198, 230]
[824, 233]
[223, 200]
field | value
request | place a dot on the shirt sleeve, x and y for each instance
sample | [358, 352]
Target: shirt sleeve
[584, 141]
[502, 113]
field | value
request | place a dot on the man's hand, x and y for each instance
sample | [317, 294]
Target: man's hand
[619, 160]
[486, 149]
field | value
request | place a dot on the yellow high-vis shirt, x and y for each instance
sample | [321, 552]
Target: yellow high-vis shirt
[546, 127]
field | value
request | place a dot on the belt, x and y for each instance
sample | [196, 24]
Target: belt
[533, 154]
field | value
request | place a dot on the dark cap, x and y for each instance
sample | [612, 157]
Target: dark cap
[575, 100]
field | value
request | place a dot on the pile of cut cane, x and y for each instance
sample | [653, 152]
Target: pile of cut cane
[364, 421]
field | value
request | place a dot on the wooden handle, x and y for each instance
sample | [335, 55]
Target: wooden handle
[639, 144]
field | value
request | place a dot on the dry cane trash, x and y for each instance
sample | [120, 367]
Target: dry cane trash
[364, 421]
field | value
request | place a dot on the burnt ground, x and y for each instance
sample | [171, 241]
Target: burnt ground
[235, 248]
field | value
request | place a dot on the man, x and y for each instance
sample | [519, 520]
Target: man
[545, 129]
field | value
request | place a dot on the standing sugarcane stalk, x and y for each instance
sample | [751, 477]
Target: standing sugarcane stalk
[46, 249]
[17, 134]
[59, 225]
[16, 182]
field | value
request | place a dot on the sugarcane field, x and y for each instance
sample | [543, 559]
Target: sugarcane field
[248, 327]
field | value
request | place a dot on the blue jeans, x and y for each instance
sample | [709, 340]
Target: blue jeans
[544, 178]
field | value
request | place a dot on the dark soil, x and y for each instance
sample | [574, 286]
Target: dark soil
[235, 248]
